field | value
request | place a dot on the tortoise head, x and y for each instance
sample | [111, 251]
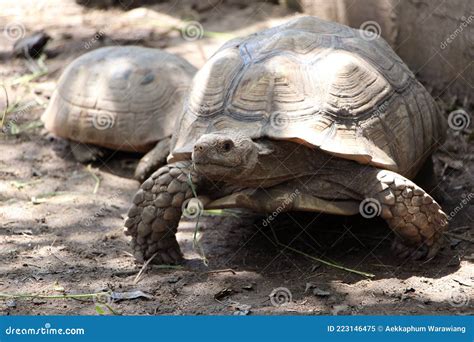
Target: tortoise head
[226, 155]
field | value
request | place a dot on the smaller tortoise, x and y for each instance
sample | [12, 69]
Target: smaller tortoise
[122, 98]
[307, 116]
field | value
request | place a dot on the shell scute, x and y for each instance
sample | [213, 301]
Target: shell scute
[320, 83]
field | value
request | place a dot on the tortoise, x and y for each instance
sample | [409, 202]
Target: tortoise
[307, 116]
[122, 98]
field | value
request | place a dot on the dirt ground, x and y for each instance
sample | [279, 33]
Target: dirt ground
[58, 237]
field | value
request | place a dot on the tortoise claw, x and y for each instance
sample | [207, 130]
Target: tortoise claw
[406, 251]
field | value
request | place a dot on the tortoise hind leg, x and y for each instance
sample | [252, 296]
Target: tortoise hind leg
[151, 161]
[428, 180]
[85, 153]
[154, 216]
[411, 213]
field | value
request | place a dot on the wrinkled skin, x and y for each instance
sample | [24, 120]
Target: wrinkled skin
[222, 156]
[232, 170]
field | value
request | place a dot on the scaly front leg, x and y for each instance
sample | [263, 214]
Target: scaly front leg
[154, 159]
[154, 216]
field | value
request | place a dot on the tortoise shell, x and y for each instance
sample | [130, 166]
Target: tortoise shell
[319, 83]
[124, 98]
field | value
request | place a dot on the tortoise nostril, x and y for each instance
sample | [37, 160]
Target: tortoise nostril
[199, 148]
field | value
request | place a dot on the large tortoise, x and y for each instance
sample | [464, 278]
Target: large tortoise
[123, 98]
[307, 116]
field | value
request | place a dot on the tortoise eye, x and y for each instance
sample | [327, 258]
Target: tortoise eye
[227, 145]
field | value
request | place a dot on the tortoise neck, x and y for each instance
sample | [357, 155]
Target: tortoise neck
[282, 161]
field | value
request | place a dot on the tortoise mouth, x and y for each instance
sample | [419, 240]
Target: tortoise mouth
[213, 168]
[208, 159]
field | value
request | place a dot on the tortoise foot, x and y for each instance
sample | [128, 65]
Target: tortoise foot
[414, 216]
[154, 159]
[154, 216]
[415, 252]
[86, 153]
[163, 251]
